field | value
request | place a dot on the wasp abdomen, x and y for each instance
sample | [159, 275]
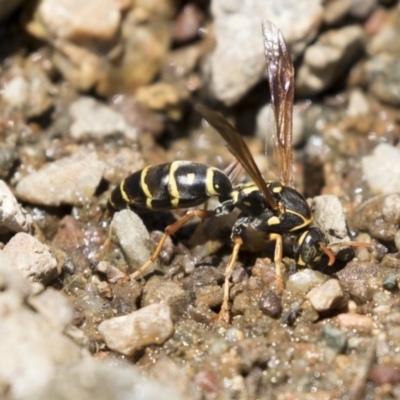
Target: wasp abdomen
[179, 184]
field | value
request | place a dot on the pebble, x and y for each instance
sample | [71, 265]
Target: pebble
[104, 380]
[95, 120]
[382, 169]
[382, 70]
[270, 304]
[327, 297]
[238, 61]
[54, 306]
[12, 216]
[329, 215]
[112, 273]
[73, 21]
[16, 92]
[129, 333]
[384, 374]
[159, 291]
[133, 238]
[303, 281]
[324, 61]
[334, 337]
[350, 320]
[71, 180]
[389, 282]
[32, 258]
[31, 348]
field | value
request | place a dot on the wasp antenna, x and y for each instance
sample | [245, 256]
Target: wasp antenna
[331, 257]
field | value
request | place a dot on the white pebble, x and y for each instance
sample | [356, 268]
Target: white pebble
[129, 333]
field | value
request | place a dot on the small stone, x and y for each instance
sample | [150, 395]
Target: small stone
[303, 281]
[8, 157]
[112, 273]
[165, 292]
[325, 60]
[384, 374]
[129, 333]
[76, 21]
[389, 282]
[133, 238]
[16, 92]
[238, 61]
[382, 169]
[334, 337]
[55, 306]
[327, 297]
[93, 119]
[270, 304]
[104, 290]
[32, 258]
[12, 216]
[350, 320]
[71, 180]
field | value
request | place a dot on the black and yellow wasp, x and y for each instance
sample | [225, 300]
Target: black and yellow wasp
[271, 207]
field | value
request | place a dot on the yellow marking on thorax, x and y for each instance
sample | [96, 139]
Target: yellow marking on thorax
[143, 183]
[277, 189]
[190, 178]
[210, 189]
[273, 221]
[304, 224]
[173, 187]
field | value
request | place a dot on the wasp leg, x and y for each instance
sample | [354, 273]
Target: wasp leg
[170, 230]
[224, 312]
[278, 260]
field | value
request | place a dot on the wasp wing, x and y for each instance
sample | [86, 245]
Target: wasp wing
[238, 147]
[281, 83]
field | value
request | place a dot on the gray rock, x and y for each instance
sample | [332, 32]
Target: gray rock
[8, 156]
[95, 120]
[382, 169]
[93, 379]
[54, 306]
[133, 238]
[32, 258]
[30, 347]
[328, 297]
[238, 61]
[168, 293]
[129, 333]
[325, 61]
[329, 216]
[334, 338]
[70, 180]
[303, 281]
[12, 216]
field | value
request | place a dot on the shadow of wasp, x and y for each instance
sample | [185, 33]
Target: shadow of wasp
[275, 208]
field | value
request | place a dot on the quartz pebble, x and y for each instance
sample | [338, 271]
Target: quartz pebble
[327, 297]
[71, 180]
[133, 238]
[12, 216]
[129, 333]
[95, 120]
[32, 258]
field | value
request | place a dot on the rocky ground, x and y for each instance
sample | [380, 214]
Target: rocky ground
[91, 92]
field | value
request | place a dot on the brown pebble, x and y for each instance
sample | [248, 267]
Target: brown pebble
[382, 374]
[270, 304]
[350, 320]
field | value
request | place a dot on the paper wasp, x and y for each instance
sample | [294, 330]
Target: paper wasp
[271, 207]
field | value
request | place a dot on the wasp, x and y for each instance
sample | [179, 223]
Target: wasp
[273, 207]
